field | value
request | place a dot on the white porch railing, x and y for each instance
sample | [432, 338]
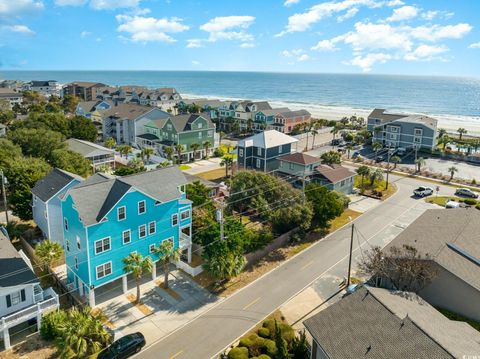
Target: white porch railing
[32, 311]
[185, 241]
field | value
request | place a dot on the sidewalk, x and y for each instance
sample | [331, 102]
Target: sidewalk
[167, 313]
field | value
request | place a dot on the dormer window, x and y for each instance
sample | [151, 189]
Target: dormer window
[141, 207]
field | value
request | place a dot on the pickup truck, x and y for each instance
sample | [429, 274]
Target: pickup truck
[423, 191]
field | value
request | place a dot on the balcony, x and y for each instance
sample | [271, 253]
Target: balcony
[48, 302]
[185, 241]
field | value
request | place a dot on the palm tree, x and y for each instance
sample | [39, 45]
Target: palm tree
[195, 147]
[376, 175]
[147, 152]
[420, 162]
[167, 253]
[179, 149]
[137, 265]
[452, 171]
[225, 266]
[334, 131]
[124, 150]
[110, 142]
[441, 132]
[169, 152]
[349, 147]
[363, 171]
[163, 164]
[377, 146]
[227, 161]
[444, 140]
[207, 145]
[221, 135]
[461, 131]
[48, 252]
[314, 133]
[395, 160]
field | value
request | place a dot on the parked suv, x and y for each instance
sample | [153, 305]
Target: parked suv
[423, 191]
[124, 347]
[466, 192]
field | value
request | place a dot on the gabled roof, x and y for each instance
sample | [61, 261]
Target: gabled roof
[87, 106]
[290, 114]
[334, 173]
[300, 158]
[126, 111]
[86, 84]
[384, 116]
[13, 268]
[375, 323]
[274, 111]
[86, 148]
[267, 139]
[450, 238]
[95, 199]
[52, 183]
[36, 83]
[183, 122]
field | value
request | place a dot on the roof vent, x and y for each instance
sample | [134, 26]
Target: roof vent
[464, 253]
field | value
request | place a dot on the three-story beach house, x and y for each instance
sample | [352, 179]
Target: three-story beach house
[107, 218]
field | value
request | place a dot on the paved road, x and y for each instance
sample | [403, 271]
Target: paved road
[210, 333]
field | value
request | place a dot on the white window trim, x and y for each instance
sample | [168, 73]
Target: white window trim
[185, 211]
[151, 248]
[241, 152]
[258, 163]
[144, 207]
[103, 265]
[259, 151]
[154, 227]
[175, 215]
[101, 240]
[124, 211]
[129, 236]
[139, 231]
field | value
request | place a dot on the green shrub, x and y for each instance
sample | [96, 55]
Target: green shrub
[245, 342]
[238, 353]
[269, 347]
[477, 206]
[264, 333]
[470, 201]
[49, 329]
[219, 152]
[264, 356]
[287, 332]
[256, 345]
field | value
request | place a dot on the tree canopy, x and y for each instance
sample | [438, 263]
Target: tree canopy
[326, 204]
[71, 161]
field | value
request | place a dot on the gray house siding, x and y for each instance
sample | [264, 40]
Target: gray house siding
[261, 159]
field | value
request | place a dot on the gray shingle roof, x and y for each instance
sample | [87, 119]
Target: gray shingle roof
[96, 198]
[296, 113]
[126, 111]
[13, 269]
[435, 229]
[86, 148]
[52, 183]
[363, 326]
[334, 173]
[383, 116]
[182, 122]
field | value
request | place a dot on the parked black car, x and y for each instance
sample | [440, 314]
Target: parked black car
[124, 347]
[379, 159]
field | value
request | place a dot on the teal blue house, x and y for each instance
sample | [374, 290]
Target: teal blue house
[107, 218]
[265, 118]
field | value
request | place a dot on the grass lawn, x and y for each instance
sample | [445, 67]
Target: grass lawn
[442, 200]
[184, 167]
[343, 219]
[378, 186]
[214, 175]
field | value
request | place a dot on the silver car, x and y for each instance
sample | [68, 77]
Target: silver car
[466, 192]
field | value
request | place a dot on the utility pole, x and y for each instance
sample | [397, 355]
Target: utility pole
[350, 256]
[388, 166]
[220, 219]
[2, 178]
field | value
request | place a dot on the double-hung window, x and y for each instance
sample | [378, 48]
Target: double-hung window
[78, 242]
[174, 219]
[121, 213]
[102, 245]
[259, 151]
[141, 207]
[152, 227]
[104, 269]
[126, 236]
[280, 149]
[151, 248]
[185, 214]
[65, 224]
[240, 152]
[142, 231]
[76, 262]
[258, 163]
[15, 298]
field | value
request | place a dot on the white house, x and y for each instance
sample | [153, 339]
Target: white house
[21, 296]
[46, 88]
[11, 96]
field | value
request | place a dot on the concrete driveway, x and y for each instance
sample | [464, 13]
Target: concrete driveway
[168, 313]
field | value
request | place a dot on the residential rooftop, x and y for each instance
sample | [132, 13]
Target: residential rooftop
[334, 173]
[126, 111]
[87, 149]
[52, 183]
[300, 158]
[385, 117]
[267, 139]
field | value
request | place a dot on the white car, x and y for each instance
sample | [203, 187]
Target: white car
[452, 204]
[466, 192]
[423, 191]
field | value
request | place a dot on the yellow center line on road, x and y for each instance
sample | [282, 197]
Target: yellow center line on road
[176, 355]
[306, 265]
[251, 303]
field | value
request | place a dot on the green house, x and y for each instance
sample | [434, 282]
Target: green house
[185, 130]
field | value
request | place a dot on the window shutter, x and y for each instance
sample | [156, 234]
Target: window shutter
[9, 301]
[22, 295]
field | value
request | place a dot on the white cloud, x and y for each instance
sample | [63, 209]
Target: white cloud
[366, 62]
[395, 3]
[296, 54]
[20, 29]
[376, 36]
[475, 45]
[325, 45]
[194, 43]
[290, 2]
[229, 28]
[113, 4]
[403, 13]
[437, 32]
[349, 14]
[84, 34]
[70, 2]
[19, 7]
[148, 29]
[426, 53]
[303, 57]
[303, 21]
[247, 45]
[195, 63]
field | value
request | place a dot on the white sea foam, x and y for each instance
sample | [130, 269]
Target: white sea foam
[450, 122]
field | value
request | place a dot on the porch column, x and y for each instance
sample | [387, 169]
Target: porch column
[80, 288]
[189, 254]
[91, 298]
[39, 316]
[6, 335]
[154, 270]
[124, 284]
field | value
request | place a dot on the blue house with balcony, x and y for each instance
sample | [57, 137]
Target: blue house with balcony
[89, 109]
[46, 203]
[107, 218]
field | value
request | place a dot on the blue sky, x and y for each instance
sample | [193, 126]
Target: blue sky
[423, 37]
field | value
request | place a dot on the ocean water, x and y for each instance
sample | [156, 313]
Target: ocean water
[452, 99]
